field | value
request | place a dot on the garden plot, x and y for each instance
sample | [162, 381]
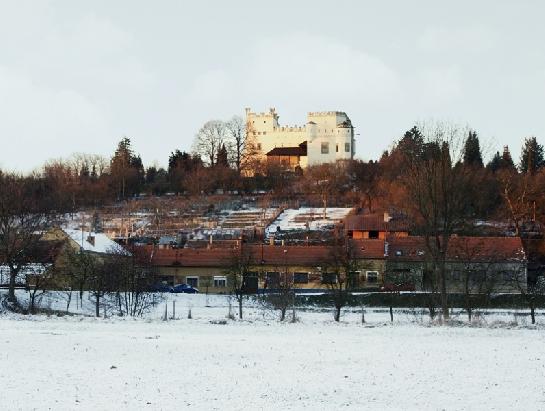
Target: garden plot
[307, 218]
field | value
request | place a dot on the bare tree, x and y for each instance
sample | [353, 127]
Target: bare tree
[532, 292]
[236, 130]
[209, 141]
[341, 276]
[282, 295]
[239, 275]
[437, 184]
[132, 277]
[27, 211]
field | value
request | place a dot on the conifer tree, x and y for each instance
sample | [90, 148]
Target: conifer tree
[506, 159]
[472, 150]
[532, 157]
[495, 164]
[222, 157]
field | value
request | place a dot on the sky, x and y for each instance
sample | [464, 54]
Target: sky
[79, 76]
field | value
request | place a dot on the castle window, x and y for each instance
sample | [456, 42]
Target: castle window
[264, 132]
[259, 146]
[347, 147]
[325, 148]
[264, 121]
[336, 148]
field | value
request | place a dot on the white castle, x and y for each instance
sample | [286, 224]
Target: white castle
[327, 137]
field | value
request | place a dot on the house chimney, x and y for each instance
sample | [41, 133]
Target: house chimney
[91, 239]
[282, 243]
[387, 217]
[271, 240]
[210, 240]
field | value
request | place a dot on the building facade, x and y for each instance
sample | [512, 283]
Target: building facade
[325, 138]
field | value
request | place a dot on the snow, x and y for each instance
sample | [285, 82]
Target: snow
[102, 243]
[307, 218]
[76, 362]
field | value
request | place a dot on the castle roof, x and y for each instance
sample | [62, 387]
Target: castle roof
[300, 150]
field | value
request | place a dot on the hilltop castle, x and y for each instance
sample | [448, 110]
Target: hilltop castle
[326, 137]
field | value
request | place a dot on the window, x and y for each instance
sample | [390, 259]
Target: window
[347, 147]
[455, 275]
[336, 148]
[259, 146]
[264, 132]
[264, 121]
[192, 281]
[399, 253]
[508, 276]
[300, 278]
[372, 276]
[329, 278]
[220, 281]
[325, 148]
[373, 234]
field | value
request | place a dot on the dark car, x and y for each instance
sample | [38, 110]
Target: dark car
[161, 288]
[184, 288]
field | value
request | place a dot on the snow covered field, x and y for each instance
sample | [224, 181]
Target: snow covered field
[77, 362]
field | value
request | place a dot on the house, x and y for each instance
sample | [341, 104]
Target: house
[473, 264]
[376, 225]
[311, 267]
[42, 258]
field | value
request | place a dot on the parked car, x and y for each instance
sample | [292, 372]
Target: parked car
[161, 288]
[184, 288]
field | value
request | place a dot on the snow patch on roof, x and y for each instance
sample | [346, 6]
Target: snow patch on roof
[94, 242]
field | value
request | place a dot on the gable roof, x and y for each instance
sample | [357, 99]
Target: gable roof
[93, 242]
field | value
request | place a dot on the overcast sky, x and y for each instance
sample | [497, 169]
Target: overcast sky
[78, 76]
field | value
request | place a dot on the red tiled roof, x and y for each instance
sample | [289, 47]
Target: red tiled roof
[269, 254]
[460, 249]
[374, 222]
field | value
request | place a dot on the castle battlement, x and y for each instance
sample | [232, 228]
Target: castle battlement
[270, 113]
[326, 113]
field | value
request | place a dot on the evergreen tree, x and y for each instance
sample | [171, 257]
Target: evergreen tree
[495, 164]
[501, 161]
[126, 169]
[222, 158]
[180, 165]
[472, 151]
[531, 158]
[411, 145]
[506, 159]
